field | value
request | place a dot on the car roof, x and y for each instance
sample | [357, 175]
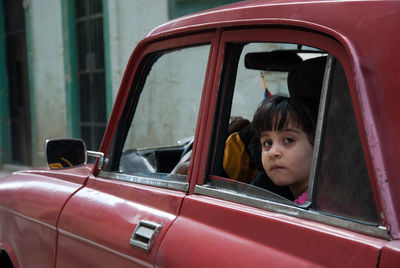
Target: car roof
[347, 16]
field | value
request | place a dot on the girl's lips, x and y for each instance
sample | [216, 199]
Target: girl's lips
[275, 167]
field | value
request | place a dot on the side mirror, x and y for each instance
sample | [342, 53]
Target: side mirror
[65, 153]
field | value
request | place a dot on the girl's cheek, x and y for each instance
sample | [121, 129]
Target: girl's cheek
[264, 159]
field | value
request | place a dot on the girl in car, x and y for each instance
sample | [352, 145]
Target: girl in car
[286, 128]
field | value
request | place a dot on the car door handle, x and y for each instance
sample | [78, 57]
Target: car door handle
[145, 234]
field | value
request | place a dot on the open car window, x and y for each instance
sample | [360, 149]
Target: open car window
[339, 184]
[159, 120]
[260, 71]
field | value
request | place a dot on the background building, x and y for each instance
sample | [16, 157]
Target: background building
[61, 63]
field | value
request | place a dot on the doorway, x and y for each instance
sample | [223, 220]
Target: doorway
[18, 82]
[91, 73]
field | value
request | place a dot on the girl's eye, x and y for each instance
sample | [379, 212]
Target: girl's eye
[289, 140]
[267, 144]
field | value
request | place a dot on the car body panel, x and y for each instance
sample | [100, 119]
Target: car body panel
[30, 218]
[390, 255]
[221, 240]
[100, 219]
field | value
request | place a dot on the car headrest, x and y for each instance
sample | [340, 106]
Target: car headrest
[305, 78]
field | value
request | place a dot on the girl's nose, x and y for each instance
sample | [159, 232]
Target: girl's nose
[275, 151]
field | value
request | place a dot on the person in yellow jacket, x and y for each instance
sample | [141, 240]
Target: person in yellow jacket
[240, 151]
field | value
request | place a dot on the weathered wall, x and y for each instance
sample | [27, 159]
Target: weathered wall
[46, 45]
[129, 22]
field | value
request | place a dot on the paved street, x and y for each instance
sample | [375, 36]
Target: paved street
[4, 173]
[8, 169]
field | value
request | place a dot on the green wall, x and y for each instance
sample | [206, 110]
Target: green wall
[70, 65]
[178, 8]
[70, 68]
[5, 138]
[107, 58]
[29, 53]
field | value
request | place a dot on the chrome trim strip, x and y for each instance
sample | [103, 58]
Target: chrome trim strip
[318, 140]
[291, 210]
[247, 190]
[98, 155]
[172, 182]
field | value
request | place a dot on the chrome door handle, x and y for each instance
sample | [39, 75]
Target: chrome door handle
[145, 234]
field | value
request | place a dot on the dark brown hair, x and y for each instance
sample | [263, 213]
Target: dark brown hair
[278, 112]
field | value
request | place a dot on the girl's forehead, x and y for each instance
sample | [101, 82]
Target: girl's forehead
[290, 128]
[279, 122]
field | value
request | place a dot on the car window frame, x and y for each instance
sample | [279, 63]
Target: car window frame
[145, 56]
[209, 185]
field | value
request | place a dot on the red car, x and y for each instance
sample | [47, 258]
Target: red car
[166, 192]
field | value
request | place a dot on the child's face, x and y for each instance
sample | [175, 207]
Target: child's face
[286, 158]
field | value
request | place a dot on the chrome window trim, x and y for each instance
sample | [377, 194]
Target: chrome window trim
[176, 182]
[289, 209]
[99, 155]
[321, 122]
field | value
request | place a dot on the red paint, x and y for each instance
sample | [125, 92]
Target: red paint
[100, 219]
[30, 204]
[217, 233]
[390, 256]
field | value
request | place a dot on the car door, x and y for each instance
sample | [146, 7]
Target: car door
[122, 214]
[228, 222]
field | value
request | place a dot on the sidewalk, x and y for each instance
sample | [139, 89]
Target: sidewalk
[4, 173]
[8, 169]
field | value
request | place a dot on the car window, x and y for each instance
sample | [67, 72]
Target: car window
[339, 183]
[261, 70]
[342, 182]
[161, 114]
